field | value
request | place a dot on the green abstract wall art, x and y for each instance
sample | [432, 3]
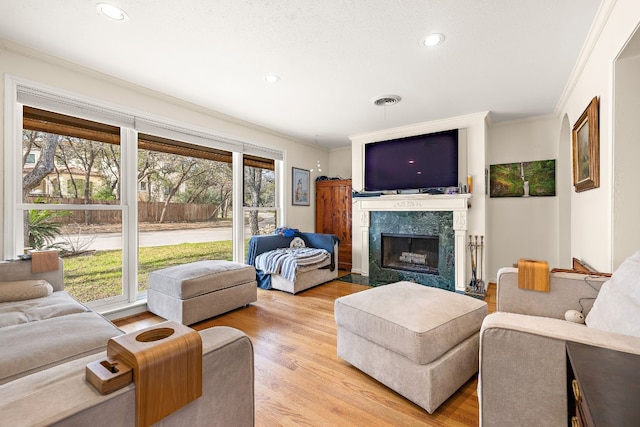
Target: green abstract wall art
[524, 179]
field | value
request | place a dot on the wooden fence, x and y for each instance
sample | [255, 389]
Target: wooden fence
[147, 212]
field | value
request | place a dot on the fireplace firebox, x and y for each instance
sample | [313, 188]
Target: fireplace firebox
[410, 252]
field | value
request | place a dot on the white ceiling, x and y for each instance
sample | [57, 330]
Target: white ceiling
[510, 57]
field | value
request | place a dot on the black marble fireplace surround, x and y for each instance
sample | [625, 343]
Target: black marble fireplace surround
[433, 228]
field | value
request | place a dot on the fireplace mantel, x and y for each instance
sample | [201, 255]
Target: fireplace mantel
[415, 202]
[456, 203]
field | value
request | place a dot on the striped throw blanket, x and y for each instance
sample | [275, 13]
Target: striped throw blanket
[285, 261]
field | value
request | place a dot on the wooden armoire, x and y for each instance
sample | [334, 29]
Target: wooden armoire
[333, 215]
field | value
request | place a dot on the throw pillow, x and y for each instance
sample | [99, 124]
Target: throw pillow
[617, 306]
[24, 289]
[297, 242]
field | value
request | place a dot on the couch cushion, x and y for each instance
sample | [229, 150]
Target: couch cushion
[197, 278]
[57, 304]
[24, 289]
[34, 346]
[21, 270]
[420, 322]
[617, 306]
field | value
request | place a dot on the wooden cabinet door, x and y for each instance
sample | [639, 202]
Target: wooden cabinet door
[324, 201]
[333, 215]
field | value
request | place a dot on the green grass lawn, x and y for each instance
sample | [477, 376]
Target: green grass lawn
[98, 275]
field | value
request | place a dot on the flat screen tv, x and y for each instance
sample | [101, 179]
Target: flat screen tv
[413, 163]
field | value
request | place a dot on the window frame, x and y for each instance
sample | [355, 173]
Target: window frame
[19, 92]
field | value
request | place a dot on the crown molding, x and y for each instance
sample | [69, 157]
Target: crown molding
[604, 12]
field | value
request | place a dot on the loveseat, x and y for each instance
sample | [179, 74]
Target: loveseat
[523, 368]
[47, 342]
[306, 276]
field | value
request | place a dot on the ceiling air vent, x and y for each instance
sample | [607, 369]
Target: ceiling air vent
[386, 100]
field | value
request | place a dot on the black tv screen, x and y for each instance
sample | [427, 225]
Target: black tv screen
[415, 162]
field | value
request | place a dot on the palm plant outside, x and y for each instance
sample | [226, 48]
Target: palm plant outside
[44, 227]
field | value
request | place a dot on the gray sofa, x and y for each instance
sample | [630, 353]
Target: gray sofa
[307, 276]
[48, 341]
[522, 377]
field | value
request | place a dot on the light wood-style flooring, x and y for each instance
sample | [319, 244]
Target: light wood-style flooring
[299, 379]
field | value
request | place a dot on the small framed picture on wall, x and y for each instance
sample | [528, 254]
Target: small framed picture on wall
[300, 187]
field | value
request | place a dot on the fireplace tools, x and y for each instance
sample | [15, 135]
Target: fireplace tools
[476, 286]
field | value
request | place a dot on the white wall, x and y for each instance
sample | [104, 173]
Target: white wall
[26, 64]
[522, 227]
[340, 163]
[304, 156]
[626, 153]
[591, 211]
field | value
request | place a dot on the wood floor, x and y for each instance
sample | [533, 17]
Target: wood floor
[300, 381]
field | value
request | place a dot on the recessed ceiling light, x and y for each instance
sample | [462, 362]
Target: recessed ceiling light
[433, 39]
[112, 12]
[271, 79]
[386, 100]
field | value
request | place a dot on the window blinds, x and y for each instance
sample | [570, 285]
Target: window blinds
[55, 101]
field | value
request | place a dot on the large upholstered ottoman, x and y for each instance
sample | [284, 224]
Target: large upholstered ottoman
[189, 293]
[420, 341]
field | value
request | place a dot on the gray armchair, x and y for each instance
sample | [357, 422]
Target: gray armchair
[522, 376]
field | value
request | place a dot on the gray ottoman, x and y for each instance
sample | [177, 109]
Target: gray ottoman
[189, 293]
[421, 342]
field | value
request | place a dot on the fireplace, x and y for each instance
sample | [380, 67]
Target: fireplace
[443, 215]
[412, 246]
[410, 252]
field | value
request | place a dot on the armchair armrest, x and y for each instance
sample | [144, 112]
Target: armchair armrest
[567, 291]
[561, 330]
[61, 396]
[21, 270]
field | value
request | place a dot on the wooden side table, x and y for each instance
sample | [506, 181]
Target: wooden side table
[603, 386]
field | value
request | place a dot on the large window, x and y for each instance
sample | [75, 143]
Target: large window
[118, 201]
